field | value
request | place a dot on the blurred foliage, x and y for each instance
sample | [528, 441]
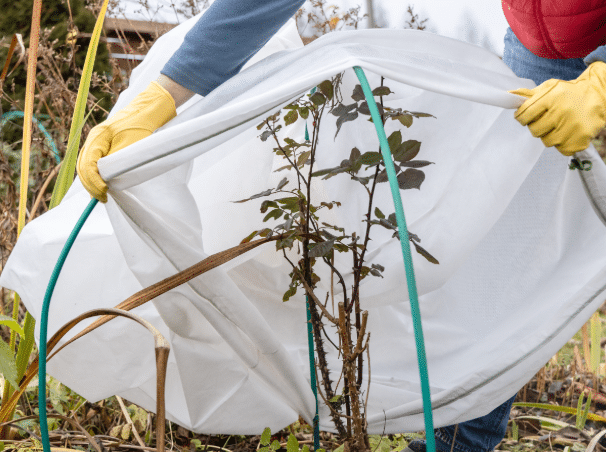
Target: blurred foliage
[61, 55]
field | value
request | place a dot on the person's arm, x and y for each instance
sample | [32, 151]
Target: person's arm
[216, 48]
[228, 34]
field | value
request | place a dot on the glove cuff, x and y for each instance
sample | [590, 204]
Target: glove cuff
[596, 75]
[150, 109]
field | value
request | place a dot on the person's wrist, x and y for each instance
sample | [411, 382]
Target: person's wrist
[179, 93]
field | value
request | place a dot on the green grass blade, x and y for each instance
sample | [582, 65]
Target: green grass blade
[12, 324]
[561, 409]
[584, 413]
[595, 326]
[546, 422]
[26, 345]
[8, 369]
[579, 412]
[66, 173]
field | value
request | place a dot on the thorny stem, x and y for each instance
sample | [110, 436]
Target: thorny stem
[315, 317]
[330, 406]
[360, 261]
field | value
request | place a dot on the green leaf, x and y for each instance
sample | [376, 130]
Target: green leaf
[12, 324]
[392, 219]
[357, 94]
[26, 345]
[286, 243]
[423, 252]
[394, 140]
[363, 108]
[265, 232]
[381, 91]
[263, 193]
[282, 183]
[304, 112]
[407, 151]
[68, 167]
[411, 178]
[275, 444]
[362, 180]
[289, 293]
[267, 204]
[306, 448]
[382, 177]
[378, 267]
[341, 109]
[421, 115]
[291, 117]
[345, 118]
[321, 249]
[317, 98]
[415, 164]
[364, 272]
[326, 88]
[378, 213]
[258, 195]
[276, 213]
[336, 171]
[266, 437]
[354, 155]
[386, 224]
[322, 172]
[8, 366]
[405, 120]
[341, 248]
[304, 157]
[288, 200]
[292, 445]
[287, 167]
[371, 158]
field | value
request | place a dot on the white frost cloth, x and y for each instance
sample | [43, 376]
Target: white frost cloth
[521, 255]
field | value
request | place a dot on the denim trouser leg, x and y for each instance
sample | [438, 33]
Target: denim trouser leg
[478, 435]
[484, 433]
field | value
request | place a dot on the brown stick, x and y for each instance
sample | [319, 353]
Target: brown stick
[129, 421]
[48, 180]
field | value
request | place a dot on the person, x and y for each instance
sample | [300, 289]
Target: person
[566, 109]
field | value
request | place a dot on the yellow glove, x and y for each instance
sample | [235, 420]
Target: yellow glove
[150, 110]
[567, 115]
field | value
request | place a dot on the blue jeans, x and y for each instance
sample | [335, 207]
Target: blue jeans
[484, 433]
[525, 64]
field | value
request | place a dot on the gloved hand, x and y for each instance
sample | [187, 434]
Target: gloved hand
[150, 110]
[567, 115]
